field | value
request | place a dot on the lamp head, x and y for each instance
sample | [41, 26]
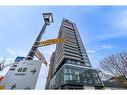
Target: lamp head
[48, 18]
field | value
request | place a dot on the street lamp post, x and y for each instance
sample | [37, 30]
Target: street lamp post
[48, 18]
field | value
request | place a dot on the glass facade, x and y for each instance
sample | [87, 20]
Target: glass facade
[73, 75]
[71, 61]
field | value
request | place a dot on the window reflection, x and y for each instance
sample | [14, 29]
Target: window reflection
[73, 62]
[68, 77]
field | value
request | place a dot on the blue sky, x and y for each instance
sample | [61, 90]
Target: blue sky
[103, 29]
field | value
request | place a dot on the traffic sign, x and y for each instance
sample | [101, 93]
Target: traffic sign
[19, 59]
[24, 76]
[10, 72]
[51, 41]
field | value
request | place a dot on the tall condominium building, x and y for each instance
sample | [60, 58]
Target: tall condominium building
[72, 68]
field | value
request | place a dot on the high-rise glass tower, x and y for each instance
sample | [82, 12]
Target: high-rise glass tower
[72, 68]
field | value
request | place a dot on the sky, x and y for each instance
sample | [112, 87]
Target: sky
[103, 30]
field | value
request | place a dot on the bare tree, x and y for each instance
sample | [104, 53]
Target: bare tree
[115, 66]
[3, 65]
[103, 75]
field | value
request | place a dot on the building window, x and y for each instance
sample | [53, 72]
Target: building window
[88, 74]
[78, 62]
[77, 78]
[85, 80]
[95, 74]
[77, 72]
[89, 81]
[73, 71]
[83, 74]
[67, 77]
[97, 81]
[68, 71]
[70, 77]
[87, 64]
[65, 71]
[68, 61]
[74, 62]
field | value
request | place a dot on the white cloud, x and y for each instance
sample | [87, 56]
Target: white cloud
[118, 23]
[107, 47]
[91, 51]
[121, 19]
[10, 51]
[71, 10]
[15, 52]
